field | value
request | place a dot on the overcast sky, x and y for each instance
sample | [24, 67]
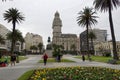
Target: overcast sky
[39, 15]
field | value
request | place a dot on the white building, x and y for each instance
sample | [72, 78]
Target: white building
[32, 39]
[106, 46]
[3, 32]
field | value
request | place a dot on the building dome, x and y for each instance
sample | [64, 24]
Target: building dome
[57, 21]
[56, 14]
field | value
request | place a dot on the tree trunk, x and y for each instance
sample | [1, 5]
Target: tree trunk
[13, 39]
[92, 46]
[21, 45]
[88, 44]
[115, 55]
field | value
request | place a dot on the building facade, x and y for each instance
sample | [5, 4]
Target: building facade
[3, 32]
[32, 39]
[106, 47]
[67, 40]
[101, 36]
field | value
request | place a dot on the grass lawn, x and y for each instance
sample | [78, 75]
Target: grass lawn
[53, 60]
[26, 75]
[22, 57]
[97, 58]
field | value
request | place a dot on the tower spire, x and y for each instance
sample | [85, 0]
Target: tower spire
[57, 24]
[57, 21]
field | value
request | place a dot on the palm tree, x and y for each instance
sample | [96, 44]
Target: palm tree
[22, 41]
[18, 36]
[40, 46]
[86, 18]
[108, 5]
[14, 16]
[91, 35]
[2, 40]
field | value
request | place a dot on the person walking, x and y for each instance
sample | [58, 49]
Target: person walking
[13, 59]
[83, 57]
[45, 57]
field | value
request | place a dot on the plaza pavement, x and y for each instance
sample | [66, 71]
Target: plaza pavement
[14, 72]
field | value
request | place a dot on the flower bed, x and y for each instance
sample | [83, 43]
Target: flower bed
[76, 73]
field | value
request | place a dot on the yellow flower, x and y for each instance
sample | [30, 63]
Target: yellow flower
[43, 79]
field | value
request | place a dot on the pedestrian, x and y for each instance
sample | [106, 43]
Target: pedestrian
[59, 58]
[83, 57]
[45, 57]
[13, 59]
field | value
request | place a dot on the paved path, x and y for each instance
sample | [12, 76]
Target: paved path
[14, 72]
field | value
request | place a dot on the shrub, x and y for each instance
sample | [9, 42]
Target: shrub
[107, 54]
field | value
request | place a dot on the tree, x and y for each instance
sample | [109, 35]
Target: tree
[18, 36]
[91, 35]
[40, 46]
[22, 41]
[107, 6]
[73, 47]
[57, 52]
[2, 40]
[14, 16]
[86, 18]
[33, 48]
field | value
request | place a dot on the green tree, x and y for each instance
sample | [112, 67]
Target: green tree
[73, 47]
[17, 34]
[40, 46]
[18, 37]
[22, 41]
[2, 40]
[86, 18]
[14, 16]
[57, 51]
[33, 48]
[107, 6]
[92, 36]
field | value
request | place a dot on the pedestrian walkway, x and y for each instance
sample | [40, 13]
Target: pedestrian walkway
[79, 62]
[14, 72]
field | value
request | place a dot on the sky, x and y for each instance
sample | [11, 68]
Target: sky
[39, 15]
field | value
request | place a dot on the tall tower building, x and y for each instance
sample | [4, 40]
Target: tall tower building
[56, 26]
[66, 40]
